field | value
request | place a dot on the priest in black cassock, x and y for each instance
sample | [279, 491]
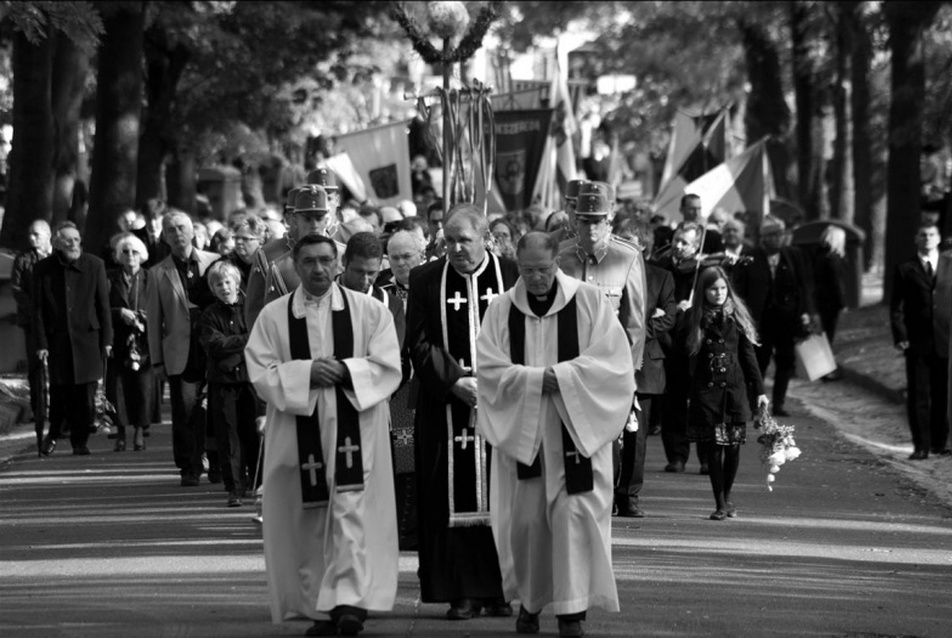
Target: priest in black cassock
[448, 297]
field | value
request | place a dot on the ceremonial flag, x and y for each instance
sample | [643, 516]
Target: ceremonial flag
[381, 156]
[529, 98]
[742, 183]
[558, 166]
[344, 169]
[520, 139]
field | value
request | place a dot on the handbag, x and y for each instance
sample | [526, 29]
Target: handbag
[814, 357]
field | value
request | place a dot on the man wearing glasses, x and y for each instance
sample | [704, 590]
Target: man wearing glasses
[617, 268]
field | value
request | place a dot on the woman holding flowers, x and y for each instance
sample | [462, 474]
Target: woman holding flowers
[720, 338]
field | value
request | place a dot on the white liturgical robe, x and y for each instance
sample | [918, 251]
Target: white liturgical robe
[554, 547]
[346, 552]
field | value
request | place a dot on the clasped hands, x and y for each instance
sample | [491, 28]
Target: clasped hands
[465, 387]
[327, 372]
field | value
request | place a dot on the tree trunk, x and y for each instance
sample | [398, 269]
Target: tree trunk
[164, 67]
[182, 172]
[118, 108]
[804, 98]
[70, 70]
[907, 22]
[767, 112]
[30, 194]
[841, 187]
[862, 148]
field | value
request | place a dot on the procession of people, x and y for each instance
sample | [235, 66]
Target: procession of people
[449, 384]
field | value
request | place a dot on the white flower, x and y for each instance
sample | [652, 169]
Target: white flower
[777, 458]
[774, 469]
[792, 453]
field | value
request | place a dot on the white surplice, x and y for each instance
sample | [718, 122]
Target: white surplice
[554, 547]
[345, 553]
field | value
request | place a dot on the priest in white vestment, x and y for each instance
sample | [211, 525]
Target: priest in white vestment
[555, 385]
[330, 533]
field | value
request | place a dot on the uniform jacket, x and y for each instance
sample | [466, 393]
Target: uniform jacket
[619, 272]
[915, 307]
[135, 298]
[720, 375]
[170, 328]
[650, 378]
[71, 317]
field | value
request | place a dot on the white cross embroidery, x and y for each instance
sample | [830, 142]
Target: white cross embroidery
[489, 296]
[576, 454]
[456, 301]
[348, 449]
[312, 467]
[464, 438]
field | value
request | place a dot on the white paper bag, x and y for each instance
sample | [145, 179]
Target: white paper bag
[814, 357]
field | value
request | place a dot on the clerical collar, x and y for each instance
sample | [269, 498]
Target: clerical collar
[303, 300]
[540, 305]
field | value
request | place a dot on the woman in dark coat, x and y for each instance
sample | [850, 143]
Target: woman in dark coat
[131, 369]
[720, 340]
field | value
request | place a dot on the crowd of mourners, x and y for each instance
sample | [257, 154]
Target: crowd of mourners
[477, 389]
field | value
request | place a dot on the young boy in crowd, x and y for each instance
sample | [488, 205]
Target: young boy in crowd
[233, 406]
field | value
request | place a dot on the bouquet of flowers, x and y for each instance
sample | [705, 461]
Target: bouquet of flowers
[777, 445]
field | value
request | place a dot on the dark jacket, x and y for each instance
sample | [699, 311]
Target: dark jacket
[134, 297]
[21, 278]
[788, 295]
[829, 275]
[660, 294]
[71, 317]
[911, 309]
[223, 335]
[720, 375]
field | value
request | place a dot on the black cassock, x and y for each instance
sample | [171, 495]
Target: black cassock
[457, 553]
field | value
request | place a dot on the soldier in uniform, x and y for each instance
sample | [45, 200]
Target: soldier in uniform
[615, 265]
[567, 231]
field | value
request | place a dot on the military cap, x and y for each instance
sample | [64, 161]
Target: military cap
[572, 188]
[324, 178]
[310, 198]
[592, 204]
[600, 188]
[772, 225]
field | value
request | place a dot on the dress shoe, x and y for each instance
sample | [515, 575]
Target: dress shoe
[80, 450]
[464, 609]
[918, 455]
[779, 411]
[138, 443]
[349, 625]
[120, 445]
[497, 608]
[189, 480]
[718, 515]
[730, 509]
[675, 466]
[234, 499]
[940, 451]
[48, 445]
[570, 628]
[627, 510]
[705, 470]
[322, 628]
[527, 623]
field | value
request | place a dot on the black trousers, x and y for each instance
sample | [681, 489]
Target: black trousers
[674, 420]
[631, 461]
[776, 342]
[34, 370]
[188, 425]
[73, 405]
[231, 408]
[927, 377]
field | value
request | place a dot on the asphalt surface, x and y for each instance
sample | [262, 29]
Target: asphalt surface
[846, 545]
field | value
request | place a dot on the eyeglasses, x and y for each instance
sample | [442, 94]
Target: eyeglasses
[128, 251]
[403, 257]
[242, 238]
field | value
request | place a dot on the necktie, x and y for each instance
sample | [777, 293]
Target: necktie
[929, 272]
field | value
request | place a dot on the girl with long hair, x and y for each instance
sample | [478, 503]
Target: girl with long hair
[720, 339]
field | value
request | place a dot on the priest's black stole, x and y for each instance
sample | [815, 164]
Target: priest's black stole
[349, 470]
[578, 468]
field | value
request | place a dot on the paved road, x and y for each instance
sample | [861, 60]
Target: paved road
[110, 545]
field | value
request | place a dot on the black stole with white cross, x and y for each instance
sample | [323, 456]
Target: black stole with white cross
[464, 299]
[349, 471]
[578, 469]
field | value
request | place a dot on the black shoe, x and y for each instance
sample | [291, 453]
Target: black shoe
[674, 466]
[527, 622]
[497, 608]
[718, 515]
[234, 499]
[47, 447]
[189, 480]
[464, 609]
[570, 628]
[120, 445]
[322, 628]
[215, 477]
[138, 444]
[940, 451]
[730, 509]
[80, 450]
[779, 411]
[349, 625]
[705, 470]
[629, 511]
[918, 455]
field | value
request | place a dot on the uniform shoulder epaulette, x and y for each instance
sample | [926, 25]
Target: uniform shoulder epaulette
[625, 243]
[568, 244]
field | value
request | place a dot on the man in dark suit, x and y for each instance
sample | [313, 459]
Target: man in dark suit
[73, 328]
[776, 284]
[913, 315]
[660, 315]
[447, 300]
